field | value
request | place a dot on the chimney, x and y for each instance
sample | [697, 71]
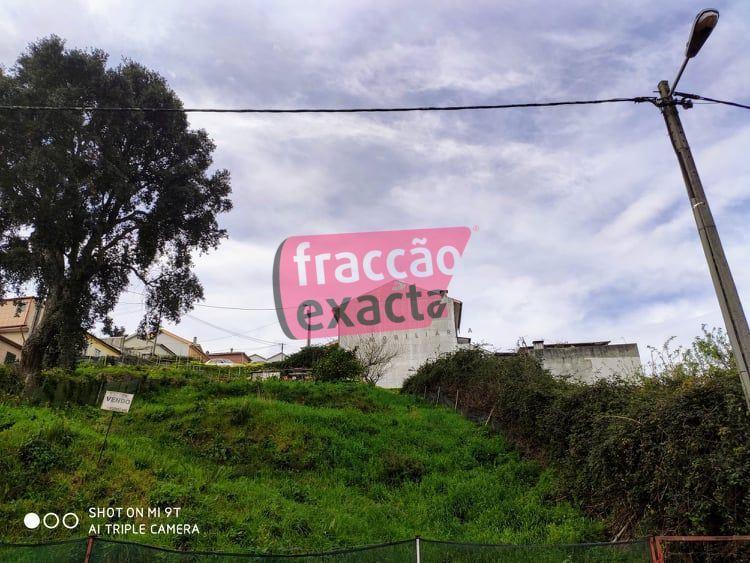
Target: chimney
[231, 350]
[195, 340]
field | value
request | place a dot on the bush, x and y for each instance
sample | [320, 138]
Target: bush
[663, 454]
[337, 365]
[399, 468]
[304, 358]
[10, 380]
[39, 456]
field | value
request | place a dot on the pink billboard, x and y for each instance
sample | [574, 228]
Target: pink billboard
[326, 285]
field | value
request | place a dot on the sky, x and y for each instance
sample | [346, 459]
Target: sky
[581, 226]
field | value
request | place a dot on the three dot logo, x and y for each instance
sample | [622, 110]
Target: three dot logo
[51, 520]
[31, 520]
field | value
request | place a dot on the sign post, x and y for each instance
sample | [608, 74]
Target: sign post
[116, 402]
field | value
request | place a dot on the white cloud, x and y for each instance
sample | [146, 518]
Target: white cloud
[584, 228]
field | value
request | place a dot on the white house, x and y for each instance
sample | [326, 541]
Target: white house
[167, 345]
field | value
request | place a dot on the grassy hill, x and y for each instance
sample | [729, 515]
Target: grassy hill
[279, 466]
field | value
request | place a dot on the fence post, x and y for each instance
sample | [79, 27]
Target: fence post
[89, 549]
[419, 552]
[492, 410]
[655, 549]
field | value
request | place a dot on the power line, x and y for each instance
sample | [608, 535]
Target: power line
[243, 308]
[637, 99]
[228, 307]
[712, 100]
[275, 323]
[234, 333]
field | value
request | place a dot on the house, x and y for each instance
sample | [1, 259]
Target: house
[18, 317]
[98, 348]
[418, 342]
[10, 352]
[167, 345]
[257, 359]
[276, 358]
[232, 356]
[585, 362]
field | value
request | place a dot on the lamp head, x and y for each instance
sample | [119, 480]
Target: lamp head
[704, 24]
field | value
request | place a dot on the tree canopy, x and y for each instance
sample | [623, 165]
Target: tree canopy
[90, 199]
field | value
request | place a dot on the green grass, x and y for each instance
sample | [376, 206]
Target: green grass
[280, 466]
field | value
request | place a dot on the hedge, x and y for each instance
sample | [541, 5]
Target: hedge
[666, 454]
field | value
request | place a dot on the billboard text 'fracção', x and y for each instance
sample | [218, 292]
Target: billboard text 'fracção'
[364, 282]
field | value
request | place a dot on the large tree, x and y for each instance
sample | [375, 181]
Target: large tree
[91, 198]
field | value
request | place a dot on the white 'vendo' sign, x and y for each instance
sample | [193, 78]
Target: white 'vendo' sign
[115, 401]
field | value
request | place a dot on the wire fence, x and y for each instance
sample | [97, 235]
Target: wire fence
[100, 550]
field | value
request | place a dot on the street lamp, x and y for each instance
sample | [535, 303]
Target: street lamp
[704, 24]
[726, 291]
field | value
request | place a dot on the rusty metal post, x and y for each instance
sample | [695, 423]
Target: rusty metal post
[89, 549]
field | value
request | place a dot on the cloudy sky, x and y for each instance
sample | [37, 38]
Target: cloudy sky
[584, 229]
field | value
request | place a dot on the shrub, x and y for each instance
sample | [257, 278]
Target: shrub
[304, 358]
[663, 454]
[39, 456]
[399, 468]
[337, 365]
[10, 381]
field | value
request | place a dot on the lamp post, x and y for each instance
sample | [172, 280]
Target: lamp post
[726, 290]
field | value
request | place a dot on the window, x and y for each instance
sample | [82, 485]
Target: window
[10, 358]
[20, 308]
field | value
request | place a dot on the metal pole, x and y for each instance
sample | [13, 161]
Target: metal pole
[309, 329]
[679, 75]
[726, 291]
[89, 549]
[105, 437]
[419, 551]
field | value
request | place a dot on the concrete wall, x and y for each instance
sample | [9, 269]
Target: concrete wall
[590, 363]
[413, 347]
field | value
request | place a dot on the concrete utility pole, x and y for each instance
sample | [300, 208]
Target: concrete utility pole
[726, 290]
[309, 328]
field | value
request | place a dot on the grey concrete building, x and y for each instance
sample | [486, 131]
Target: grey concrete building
[586, 362]
[412, 347]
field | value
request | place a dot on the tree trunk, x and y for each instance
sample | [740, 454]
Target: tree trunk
[32, 356]
[59, 336]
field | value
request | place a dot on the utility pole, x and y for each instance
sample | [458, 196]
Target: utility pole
[309, 328]
[726, 291]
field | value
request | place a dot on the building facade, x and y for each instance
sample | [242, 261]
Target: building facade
[18, 317]
[413, 347]
[587, 362]
[238, 358]
[97, 348]
[167, 345]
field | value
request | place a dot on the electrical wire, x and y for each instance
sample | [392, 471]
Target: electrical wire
[275, 323]
[711, 100]
[228, 307]
[637, 99]
[234, 333]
